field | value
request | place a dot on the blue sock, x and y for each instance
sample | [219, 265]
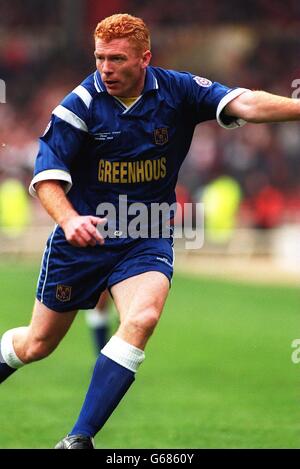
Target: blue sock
[100, 335]
[110, 381]
[5, 371]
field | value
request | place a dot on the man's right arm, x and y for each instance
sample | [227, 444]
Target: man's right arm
[80, 231]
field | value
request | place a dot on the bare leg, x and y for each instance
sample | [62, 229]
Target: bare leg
[45, 331]
[103, 300]
[140, 301]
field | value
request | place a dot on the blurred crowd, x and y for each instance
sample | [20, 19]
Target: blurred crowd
[215, 12]
[46, 49]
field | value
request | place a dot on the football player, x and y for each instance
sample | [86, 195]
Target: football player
[123, 132]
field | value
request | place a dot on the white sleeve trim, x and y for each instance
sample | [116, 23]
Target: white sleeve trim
[224, 101]
[83, 94]
[69, 117]
[56, 174]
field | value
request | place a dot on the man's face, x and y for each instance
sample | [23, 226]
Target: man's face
[121, 66]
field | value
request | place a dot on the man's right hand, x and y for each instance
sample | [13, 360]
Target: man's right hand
[81, 231]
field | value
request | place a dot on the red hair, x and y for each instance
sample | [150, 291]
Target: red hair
[125, 26]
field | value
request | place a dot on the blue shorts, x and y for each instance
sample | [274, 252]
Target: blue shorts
[73, 278]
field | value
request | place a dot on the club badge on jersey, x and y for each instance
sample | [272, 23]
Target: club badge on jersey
[102, 149]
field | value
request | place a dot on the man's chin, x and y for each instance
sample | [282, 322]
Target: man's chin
[113, 90]
[115, 94]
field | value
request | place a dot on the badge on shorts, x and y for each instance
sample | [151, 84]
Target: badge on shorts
[63, 292]
[161, 136]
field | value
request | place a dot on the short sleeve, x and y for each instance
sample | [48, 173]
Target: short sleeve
[208, 100]
[62, 141]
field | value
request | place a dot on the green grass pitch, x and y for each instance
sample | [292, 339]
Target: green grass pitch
[218, 372]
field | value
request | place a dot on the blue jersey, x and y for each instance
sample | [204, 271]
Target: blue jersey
[102, 149]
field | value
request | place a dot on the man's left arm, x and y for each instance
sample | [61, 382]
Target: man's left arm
[260, 106]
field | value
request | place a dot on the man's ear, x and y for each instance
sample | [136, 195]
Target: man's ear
[146, 58]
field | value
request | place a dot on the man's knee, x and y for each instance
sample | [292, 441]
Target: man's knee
[37, 348]
[143, 321]
[46, 330]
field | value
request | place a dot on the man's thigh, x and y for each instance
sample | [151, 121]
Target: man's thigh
[50, 324]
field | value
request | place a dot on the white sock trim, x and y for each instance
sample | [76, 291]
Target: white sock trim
[123, 353]
[8, 351]
[95, 319]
